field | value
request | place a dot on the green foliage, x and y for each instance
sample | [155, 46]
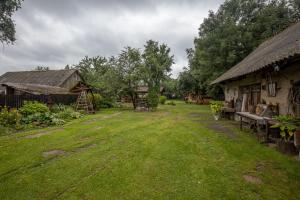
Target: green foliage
[171, 89]
[229, 35]
[121, 75]
[171, 103]
[7, 26]
[64, 112]
[162, 100]
[152, 99]
[10, 119]
[216, 106]
[68, 114]
[101, 73]
[96, 99]
[129, 70]
[39, 119]
[33, 107]
[38, 114]
[56, 108]
[287, 126]
[157, 63]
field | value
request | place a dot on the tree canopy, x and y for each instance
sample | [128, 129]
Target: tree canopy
[7, 26]
[123, 74]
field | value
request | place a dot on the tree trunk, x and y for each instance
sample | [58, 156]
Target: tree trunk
[133, 99]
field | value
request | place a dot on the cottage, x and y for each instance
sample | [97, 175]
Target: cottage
[270, 75]
[41, 82]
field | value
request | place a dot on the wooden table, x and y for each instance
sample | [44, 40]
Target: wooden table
[255, 118]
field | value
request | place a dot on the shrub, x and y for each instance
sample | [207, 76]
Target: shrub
[107, 104]
[172, 103]
[162, 100]
[32, 107]
[100, 102]
[56, 108]
[10, 118]
[287, 125]
[97, 100]
[152, 98]
[68, 114]
[216, 106]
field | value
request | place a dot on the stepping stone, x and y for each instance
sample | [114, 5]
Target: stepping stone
[252, 179]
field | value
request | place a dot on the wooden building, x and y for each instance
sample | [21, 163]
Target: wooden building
[270, 75]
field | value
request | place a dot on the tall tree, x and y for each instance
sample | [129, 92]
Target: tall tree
[129, 68]
[7, 26]
[157, 65]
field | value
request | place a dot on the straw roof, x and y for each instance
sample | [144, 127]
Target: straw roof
[38, 82]
[283, 46]
[50, 78]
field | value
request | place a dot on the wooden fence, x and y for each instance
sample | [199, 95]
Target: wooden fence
[16, 101]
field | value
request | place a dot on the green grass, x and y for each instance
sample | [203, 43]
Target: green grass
[121, 154]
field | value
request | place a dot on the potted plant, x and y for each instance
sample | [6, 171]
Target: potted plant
[216, 107]
[288, 126]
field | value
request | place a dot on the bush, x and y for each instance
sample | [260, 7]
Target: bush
[56, 108]
[216, 106]
[100, 102]
[10, 119]
[162, 100]
[68, 114]
[33, 107]
[152, 98]
[172, 103]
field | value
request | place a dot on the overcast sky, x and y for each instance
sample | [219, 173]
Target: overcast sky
[55, 33]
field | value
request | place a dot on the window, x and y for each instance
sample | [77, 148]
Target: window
[271, 89]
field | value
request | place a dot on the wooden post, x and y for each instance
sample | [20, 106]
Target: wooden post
[241, 124]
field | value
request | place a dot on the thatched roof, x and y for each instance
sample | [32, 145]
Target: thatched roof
[37, 89]
[283, 46]
[49, 78]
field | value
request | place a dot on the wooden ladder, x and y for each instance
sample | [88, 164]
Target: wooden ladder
[83, 103]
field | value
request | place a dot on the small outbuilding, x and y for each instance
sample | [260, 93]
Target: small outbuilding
[270, 76]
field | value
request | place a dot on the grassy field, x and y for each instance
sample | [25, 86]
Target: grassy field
[178, 152]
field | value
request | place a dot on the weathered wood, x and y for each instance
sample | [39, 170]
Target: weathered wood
[17, 101]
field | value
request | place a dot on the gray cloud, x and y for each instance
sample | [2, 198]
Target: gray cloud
[59, 32]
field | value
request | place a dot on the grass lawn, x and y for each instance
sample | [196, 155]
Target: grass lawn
[178, 152]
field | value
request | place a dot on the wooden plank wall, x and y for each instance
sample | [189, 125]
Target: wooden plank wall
[16, 101]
